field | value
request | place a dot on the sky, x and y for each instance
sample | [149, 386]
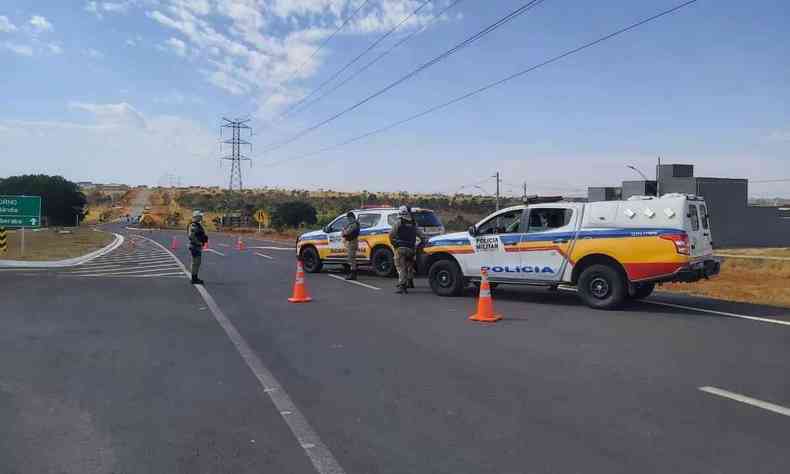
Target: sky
[133, 91]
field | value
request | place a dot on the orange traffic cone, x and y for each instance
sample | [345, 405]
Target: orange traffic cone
[485, 306]
[240, 244]
[174, 244]
[300, 290]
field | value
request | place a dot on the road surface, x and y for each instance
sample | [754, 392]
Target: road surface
[123, 366]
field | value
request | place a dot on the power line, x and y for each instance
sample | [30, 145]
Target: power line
[353, 61]
[379, 57]
[485, 31]
[486, 87]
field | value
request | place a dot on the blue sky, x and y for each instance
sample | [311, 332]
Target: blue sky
[131, 90]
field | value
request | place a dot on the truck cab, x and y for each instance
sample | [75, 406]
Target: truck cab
[609, 250]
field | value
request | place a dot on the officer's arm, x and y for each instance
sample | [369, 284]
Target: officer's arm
[394, 231]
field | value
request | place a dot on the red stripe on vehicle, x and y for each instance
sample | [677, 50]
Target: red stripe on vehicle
[644, 271]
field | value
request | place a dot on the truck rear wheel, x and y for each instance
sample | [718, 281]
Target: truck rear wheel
[446, 278]
[383, 262]
[602, 287]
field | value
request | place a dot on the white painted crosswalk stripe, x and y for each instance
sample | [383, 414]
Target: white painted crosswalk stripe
[138, 259]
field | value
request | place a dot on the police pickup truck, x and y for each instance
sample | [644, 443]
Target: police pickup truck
[611, 250]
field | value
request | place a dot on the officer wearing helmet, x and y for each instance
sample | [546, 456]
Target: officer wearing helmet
[404, 235]
[197, 239]
[351, 235]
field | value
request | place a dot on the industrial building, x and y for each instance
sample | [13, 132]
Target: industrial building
[734, 222]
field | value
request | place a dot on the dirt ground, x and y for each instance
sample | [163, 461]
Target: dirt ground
[750, 280]
[47, 244]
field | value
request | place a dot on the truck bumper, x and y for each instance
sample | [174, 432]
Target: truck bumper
[698, 270]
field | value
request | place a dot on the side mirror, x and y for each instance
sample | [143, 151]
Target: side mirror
[326, 229]
[472, 230]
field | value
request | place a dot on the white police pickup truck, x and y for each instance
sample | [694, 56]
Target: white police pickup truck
[611, 250]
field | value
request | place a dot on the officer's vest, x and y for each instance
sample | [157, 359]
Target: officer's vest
[406, 235]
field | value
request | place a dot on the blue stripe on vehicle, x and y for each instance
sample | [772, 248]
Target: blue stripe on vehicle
[512, 239]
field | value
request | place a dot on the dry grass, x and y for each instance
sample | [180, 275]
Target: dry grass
[766, 252]
[47, 244]
[747, 280]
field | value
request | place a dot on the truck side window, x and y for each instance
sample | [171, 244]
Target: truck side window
[508, 223]
[338, 225]
[367, 221]
[544, 219]
[703, 214]
[694, 217]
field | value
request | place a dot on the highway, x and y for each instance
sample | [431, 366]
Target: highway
[122, 366]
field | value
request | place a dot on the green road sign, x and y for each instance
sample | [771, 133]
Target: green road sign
[20, 211]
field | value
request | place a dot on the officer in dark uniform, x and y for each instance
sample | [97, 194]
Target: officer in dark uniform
[403, 236]
[197, 238]
[351, 236]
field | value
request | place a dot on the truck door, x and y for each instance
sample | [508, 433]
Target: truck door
[698, 229]
[547, 242]
[337, 247]
[495, 243]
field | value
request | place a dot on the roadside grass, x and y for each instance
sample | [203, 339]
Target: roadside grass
[747, 280]
[48, 244]
[766, 252]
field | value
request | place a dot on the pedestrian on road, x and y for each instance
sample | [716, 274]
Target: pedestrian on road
[403, 236]
[351, 235]
[197, 239]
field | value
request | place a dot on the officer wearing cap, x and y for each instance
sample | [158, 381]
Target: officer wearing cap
[197, 238]
[351, 235]
[403, 236]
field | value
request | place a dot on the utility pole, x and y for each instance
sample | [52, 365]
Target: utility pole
[658, 178]
[235, 183]
[498, 180]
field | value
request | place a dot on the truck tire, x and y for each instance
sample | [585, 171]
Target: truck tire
[311, 260]
[602, 287]
[643, 290]
[383, 262]
[446, 278]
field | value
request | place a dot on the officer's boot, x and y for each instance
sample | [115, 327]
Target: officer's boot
[196, 280]
[410, 284]
[352, 275]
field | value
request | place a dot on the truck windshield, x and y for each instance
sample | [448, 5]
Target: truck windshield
[426, 219]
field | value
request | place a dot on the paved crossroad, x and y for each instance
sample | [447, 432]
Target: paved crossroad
[137, 258]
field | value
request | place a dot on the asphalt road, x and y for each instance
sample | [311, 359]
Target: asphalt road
[110, 373]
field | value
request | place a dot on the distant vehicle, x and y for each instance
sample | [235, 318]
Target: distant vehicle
[611, 250]
[326, 246]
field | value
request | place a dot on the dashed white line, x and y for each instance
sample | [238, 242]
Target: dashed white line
[720, 313]
[264, 256]
[223, 245]
[748, 400]
[290, 249]
[353, 282]
[322, 458]
[214, 251]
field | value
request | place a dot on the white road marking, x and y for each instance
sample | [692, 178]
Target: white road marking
[748, 400]
[264, 256]
[124, 268]
[214, 251]
[290, 249]
[113, 275]
[223, 245]
[323, 460]
[353, 282]
[125, 272]
[754, 257]
[720, 313]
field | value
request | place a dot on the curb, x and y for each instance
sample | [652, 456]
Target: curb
[71, 262]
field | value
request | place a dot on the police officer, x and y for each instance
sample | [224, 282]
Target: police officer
[403, 236]
[351, 235]
[197, 238]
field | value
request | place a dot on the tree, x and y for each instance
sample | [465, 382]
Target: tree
[293, 214]
[61, 200]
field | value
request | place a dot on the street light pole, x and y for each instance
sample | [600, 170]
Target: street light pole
[637, 170]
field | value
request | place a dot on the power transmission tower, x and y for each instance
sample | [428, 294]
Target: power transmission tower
[236, 157]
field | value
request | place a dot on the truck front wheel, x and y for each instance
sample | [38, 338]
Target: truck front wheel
[446, 278]
[602, 287]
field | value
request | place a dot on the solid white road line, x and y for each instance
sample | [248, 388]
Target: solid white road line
[223, 245]
[323, 460]
[720, 313]
[754, 257]
[290, 249]
[353, 282]
[214, 251]
[264, 256]
[748, 400]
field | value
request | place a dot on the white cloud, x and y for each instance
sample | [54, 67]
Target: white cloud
[20, 49]
[95, 54]
[262, 47]
[178, 98]
[39, 23]
[54, 48]
[121, 114]
[6, 26]
[177, 46]
[779, 136]
[130, 42]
